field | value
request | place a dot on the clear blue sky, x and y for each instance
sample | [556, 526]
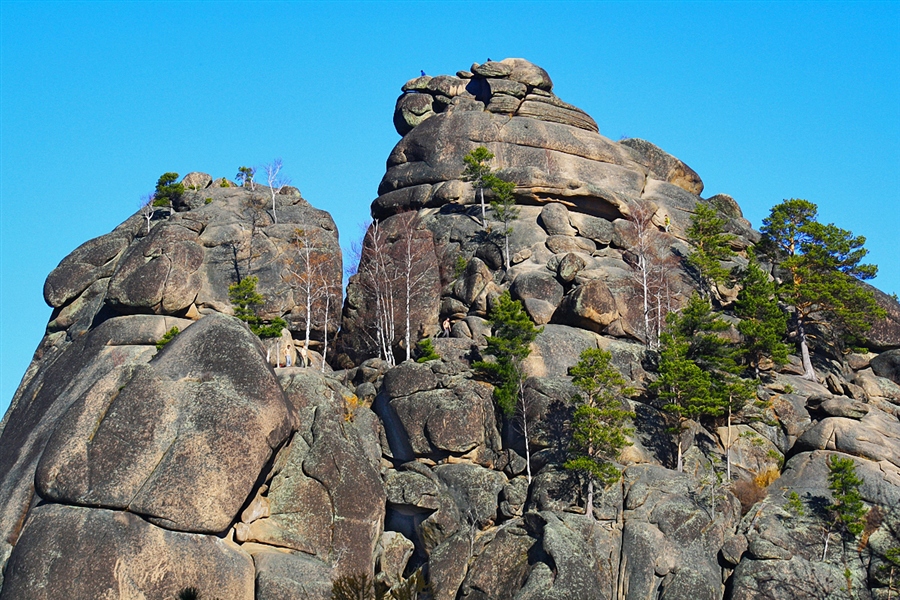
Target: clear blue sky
[765, 101]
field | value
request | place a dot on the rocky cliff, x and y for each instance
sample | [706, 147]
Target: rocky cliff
[132, 472]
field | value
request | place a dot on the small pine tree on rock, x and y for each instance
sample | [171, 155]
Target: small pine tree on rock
[712, 245]
[510, 346]
[167, 190]
[763, 323]
[599, 424]
[246, 302]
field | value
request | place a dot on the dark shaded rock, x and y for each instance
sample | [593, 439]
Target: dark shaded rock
[540, 285]
[501, 569]
[887, 365]
[408, 378]
[885, 333]
[149, 443]
[126, 554]
[475, 489]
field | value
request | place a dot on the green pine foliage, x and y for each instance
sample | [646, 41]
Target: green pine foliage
[167, 337]
[426, 351]
[246, 302]
[712, 245]
[599, 424]
[510, 345]
[478, 172]
[505, 209]
[821, 265]
[763, 323]
[847, 508]
[167, 191]
[245, 175]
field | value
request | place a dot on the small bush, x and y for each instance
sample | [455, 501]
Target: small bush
[459, 267]
[207, 201]
[766, 478]
[794, 505]
[788, 389]
[165, 339]
[224, 183]
[426, 351]
[748, 492]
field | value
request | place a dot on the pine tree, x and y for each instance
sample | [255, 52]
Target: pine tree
[822, 265]
[763, 323]
[847, 509]
[711, 246]
[505, 209]
[697, 368]
[510, 346]
[599, 430]
[478, 172]
[246, 302]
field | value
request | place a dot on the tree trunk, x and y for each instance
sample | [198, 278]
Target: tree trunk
[483, 217]
[808, 371]
[525, 429]
[589, 503]
[507, 250]
[728, 449]
[680, 463]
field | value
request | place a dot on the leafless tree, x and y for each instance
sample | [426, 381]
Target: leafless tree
[413, 268]
[653, 276]
[275, 182]
[378, 277]
[147, 209]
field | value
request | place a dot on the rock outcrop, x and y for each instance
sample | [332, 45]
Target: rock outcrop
[128, 471]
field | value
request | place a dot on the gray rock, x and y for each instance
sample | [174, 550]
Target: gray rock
[475, 489]
[408, 378]
[537, 284]
[887, 365]
[555, 219]
[286, 576]
[93, 260]
[49, 560]
[396, 550]
[196, 181]
[501, 569]
[875, 436]
[150, 443]
[556, 349]
[569, 266]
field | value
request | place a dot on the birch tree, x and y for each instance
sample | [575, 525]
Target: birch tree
[275, 182]
[478, 172]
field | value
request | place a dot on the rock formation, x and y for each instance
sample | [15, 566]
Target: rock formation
[128, 471]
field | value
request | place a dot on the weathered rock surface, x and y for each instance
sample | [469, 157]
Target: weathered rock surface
[199, 465]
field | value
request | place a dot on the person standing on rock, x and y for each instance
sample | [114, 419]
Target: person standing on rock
[446, 328]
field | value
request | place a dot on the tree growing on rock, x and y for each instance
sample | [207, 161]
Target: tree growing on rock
[654, 270]
[712, 245]
[307, 274]
[821, 265]
[697, 369]
[847, 511]
[275, 182]
[167, 190]
[763, 323]
[510, 346]
[478, 172]
[505, 209]
[245, 176]
[599, 424]
[247, 302]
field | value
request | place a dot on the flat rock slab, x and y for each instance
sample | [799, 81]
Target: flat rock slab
[74, 553]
